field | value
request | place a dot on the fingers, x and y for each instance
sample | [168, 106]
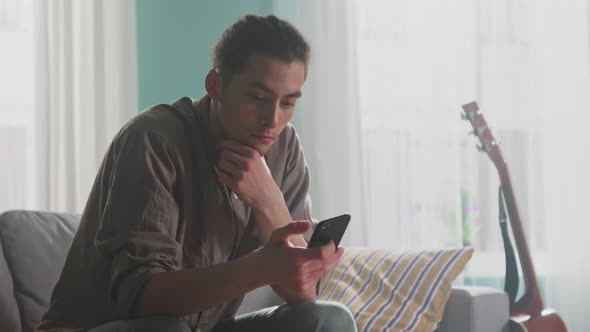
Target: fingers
[322, 255]
[265, 166]
[227, 180]
[318, 269]
[238, 148]
[282, 234]
[237, 158]
[322, 251]
[233, 157]
[331, 265]
[230, 169]
[232, 164]
[309, 270]
[312, 265]
[324, 260]
[312, 278]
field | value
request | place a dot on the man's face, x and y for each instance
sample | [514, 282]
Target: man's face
[254, 108]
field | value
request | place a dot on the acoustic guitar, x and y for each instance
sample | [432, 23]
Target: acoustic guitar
[527, 313]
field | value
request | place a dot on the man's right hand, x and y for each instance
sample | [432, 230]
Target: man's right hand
[295, 271]
[291, 271]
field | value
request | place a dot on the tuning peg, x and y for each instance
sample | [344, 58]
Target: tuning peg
[470, 116]
[486, 147]
[478, 131]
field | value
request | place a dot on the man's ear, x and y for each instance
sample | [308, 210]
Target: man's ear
[213, 84]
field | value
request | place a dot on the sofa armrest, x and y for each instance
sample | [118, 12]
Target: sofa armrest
[475, 309]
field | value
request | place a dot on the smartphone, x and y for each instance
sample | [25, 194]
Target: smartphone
[329, 230]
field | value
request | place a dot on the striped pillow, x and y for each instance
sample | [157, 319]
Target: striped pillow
[390, 290]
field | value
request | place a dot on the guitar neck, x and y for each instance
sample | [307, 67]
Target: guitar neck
[531, 302]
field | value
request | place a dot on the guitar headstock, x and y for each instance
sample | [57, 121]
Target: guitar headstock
[482, 131]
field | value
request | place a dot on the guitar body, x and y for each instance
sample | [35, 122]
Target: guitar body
[550, 322]
[528, 314]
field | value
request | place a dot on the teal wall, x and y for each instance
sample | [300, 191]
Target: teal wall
[174, 39]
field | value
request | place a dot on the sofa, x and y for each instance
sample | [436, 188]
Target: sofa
[33, 247]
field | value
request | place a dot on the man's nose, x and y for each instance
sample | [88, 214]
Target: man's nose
[270, 115]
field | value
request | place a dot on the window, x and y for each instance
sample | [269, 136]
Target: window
[418, 62]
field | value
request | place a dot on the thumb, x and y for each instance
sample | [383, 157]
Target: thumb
[282, 234]
[265, 165]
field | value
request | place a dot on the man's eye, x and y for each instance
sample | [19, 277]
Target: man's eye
[287, 104]
[258, 97]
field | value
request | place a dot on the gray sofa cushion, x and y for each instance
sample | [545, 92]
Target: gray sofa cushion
[35, 246]
[9, 315]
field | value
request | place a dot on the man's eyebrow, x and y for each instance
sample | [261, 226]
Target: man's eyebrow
[258, 85]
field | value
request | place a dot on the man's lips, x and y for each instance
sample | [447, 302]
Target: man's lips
[264, 138]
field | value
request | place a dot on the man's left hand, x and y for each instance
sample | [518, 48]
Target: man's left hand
[245, 172]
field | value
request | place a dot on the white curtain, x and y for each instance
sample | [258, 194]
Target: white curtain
[381, 128]
[86, 69]
[16, 107]
[330, 119]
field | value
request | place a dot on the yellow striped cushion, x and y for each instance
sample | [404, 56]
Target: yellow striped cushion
[390, 290]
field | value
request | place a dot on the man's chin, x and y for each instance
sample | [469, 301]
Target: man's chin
[262, 148]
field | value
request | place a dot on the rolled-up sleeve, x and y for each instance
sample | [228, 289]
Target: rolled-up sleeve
[139, 220]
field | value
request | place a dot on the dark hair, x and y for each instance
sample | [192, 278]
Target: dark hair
[252, 34]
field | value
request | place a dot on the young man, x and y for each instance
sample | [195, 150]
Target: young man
[186, 195]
